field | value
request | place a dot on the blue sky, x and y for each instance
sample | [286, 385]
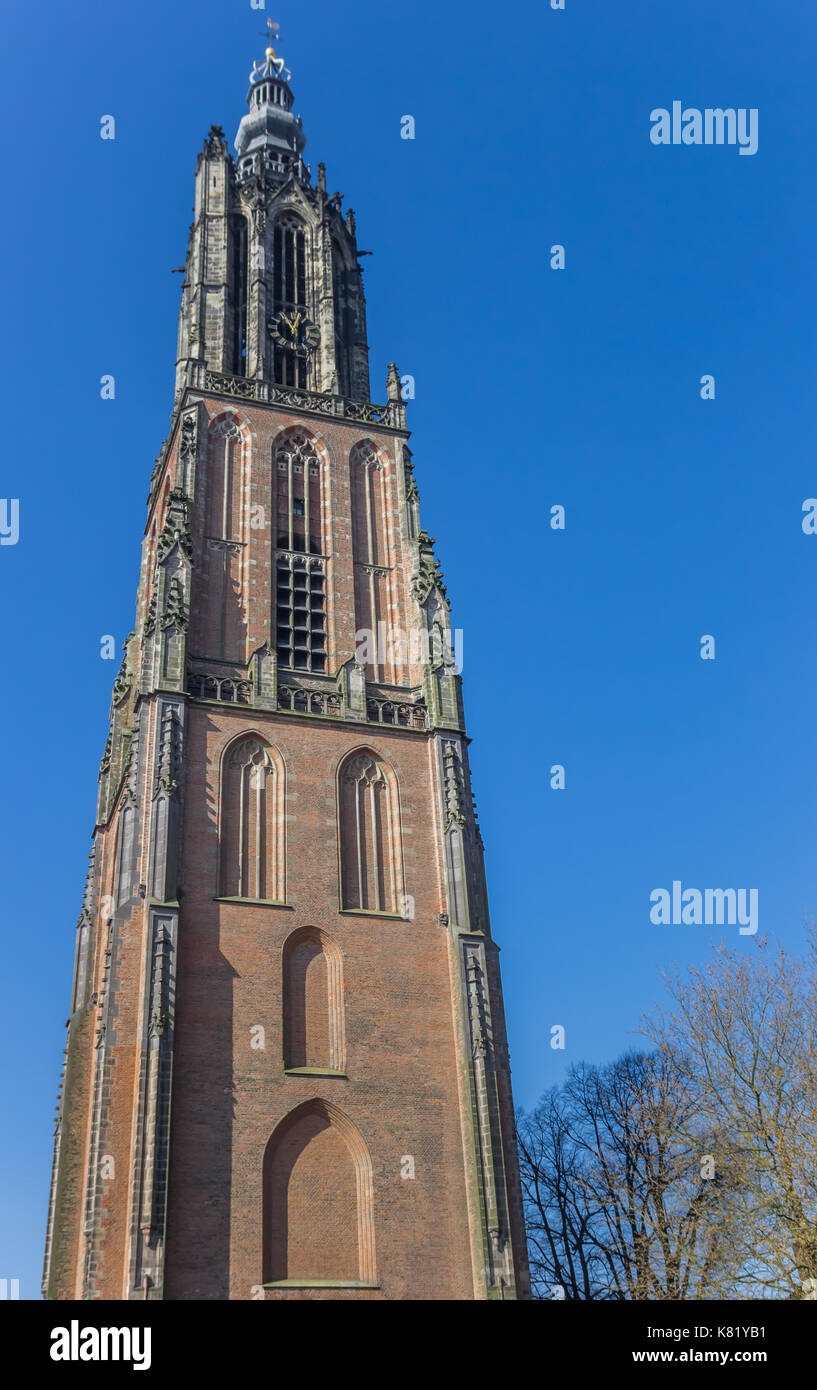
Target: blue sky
[533, 387]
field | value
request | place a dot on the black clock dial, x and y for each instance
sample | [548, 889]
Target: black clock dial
[292, 328]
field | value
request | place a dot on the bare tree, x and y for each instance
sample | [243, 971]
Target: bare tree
[743, 1032]
[564, 1259]
[617, 1204]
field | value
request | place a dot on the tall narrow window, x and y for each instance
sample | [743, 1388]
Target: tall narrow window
[125, 853]
[342, 327]
[224, 480]
[251, 846]
[367, 480]
[370, 848]
[300, 566]
[289, 295]
[221, 623]
[239, 288]
[368, 504]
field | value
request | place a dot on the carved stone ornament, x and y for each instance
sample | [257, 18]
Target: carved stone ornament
[455, 814]
[478, 1011]
[364, 456]
[412, 491]
[251, 753]
[188, 446]
[231, 547]
[215, 142]
[169, 759]
[364, 769]
[175, 614]
[227, 428]
[428, 574]
[122, 683]
[176, 530]
[105, 765]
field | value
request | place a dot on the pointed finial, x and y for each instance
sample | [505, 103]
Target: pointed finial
[393, 391]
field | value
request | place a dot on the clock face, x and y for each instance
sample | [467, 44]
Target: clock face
[292, 328]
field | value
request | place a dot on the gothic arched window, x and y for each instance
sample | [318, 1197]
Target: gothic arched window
[367, 482]
[125, 852]
[300, 581]
[297, 474]
[224, 479]
[251, 842]
[313, 1002]
[371, 857]
[220, 623]
[289, 290]
[318, 1199]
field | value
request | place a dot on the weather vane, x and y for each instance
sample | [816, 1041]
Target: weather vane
[271, 32]
[272, 66]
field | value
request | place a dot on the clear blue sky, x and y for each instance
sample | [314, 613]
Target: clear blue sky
[534, 387]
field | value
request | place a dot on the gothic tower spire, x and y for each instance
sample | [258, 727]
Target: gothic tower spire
[286, 997]
[273, 289]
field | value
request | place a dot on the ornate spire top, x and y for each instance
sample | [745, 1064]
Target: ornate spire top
[272, 66]
[270, 140]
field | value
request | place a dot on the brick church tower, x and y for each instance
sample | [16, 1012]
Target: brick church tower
[286, 1072]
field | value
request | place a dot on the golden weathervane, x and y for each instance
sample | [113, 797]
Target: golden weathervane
[272, 33]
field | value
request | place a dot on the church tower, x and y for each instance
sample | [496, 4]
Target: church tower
[286, 1072]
